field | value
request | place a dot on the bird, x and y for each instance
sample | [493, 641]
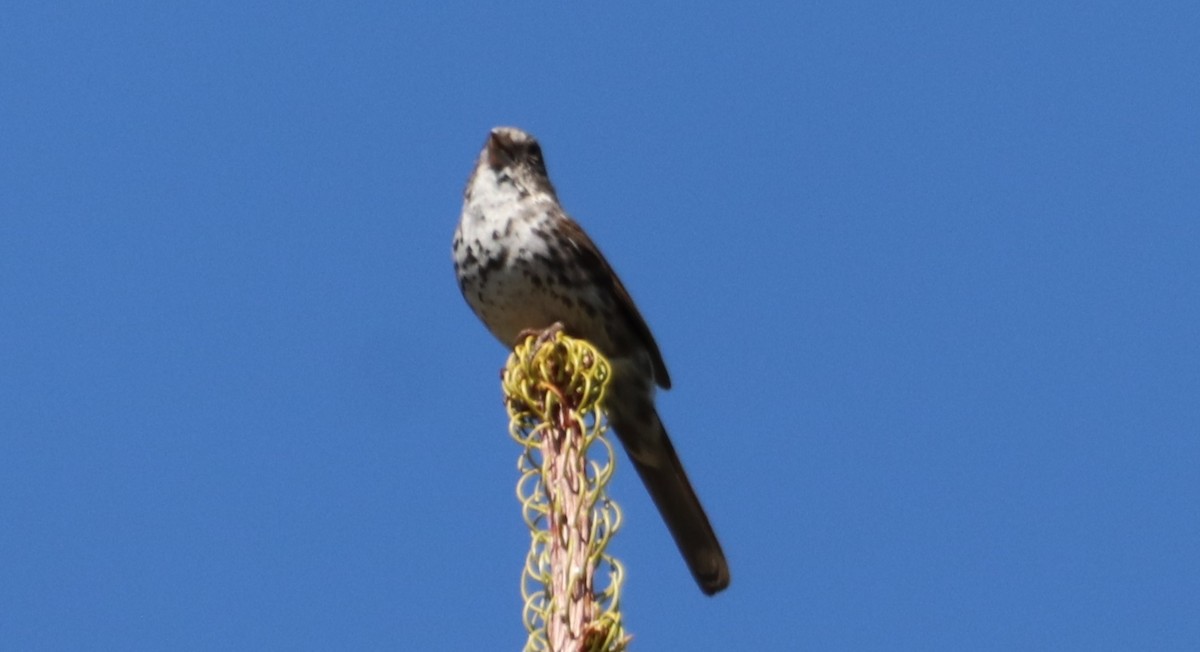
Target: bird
[523, 264]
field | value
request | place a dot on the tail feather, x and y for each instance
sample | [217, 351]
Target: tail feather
[656, 462]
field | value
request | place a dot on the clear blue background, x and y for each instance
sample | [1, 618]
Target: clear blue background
[926, 277]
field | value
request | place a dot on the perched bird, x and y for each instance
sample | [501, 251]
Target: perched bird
[523, 264]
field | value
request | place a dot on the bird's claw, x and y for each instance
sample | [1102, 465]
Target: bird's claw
[543, 335]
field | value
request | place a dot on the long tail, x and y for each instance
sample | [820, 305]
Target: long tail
[654, 457]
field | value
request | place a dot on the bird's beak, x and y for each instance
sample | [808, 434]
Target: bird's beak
[499, 151]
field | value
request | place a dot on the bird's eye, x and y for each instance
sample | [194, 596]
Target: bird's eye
[535, 151]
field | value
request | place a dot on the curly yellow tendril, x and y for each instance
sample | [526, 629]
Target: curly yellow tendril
[554, 387]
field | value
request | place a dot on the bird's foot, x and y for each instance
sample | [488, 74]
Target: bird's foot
[543, 335]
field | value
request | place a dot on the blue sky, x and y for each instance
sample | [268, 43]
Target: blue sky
[925, 277]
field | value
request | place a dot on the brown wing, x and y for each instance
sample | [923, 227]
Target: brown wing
[609, 279]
